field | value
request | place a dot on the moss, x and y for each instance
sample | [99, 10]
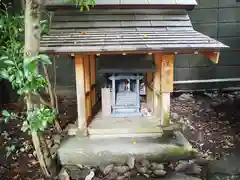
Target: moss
[179, 151]
[166, 119]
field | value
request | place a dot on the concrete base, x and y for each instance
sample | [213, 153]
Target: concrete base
[102, 151]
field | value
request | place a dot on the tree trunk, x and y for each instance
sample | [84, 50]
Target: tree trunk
[31, 49]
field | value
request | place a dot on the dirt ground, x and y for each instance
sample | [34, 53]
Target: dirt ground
[214, 120]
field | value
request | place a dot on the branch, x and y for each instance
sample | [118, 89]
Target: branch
[55, 83]
[49, 86]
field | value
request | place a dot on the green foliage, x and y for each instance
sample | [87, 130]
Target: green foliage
[22, 72]
[83, 4]
[36, 119]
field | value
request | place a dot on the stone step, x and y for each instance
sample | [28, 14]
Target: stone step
[103, 151]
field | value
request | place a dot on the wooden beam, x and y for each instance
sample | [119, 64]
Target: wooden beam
[149, 90]
[93, 78]
[87, 81]
[130, 52]
[156, 85]
[213, 56]
[87, 73]
[167, 69]
[166, 78]
[80, 90]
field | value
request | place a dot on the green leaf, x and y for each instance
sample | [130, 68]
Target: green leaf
[9, 62]
[5, 113]
[45, 59]
[3, 58]
[4, 74]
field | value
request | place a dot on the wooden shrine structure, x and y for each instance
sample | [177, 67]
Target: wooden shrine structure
[161, 29]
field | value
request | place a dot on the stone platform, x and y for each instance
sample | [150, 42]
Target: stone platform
[103, 151]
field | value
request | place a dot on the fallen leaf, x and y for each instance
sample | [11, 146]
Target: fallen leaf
[84, 33]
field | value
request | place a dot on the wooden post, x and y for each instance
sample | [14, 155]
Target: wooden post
[80, 90]
[149, 91]
[156, 85]
[87, 86]
[93, 78]
[166, 78]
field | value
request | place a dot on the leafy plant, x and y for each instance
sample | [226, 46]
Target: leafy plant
[82, 4]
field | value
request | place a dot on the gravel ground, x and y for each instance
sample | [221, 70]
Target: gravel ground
[214, 119]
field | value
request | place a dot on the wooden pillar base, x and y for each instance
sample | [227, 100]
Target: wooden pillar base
[165, 109]
[163, 85]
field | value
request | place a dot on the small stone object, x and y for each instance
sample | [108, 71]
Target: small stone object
[141, 169]
[131, 162]
[121, 169]
[146, 175]
[131, 173]
[112, 175]
[63, 175]
[182, 166]
[49, 142]
[194, 169]
[156, 166]
[159, 172]
[90, 176]
[108, 169]
[121, 178]
[81, 166]
[56, 139]
[22, 149]
[145, 163]
[175, 116]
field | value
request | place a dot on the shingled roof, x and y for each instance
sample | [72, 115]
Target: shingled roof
[124, 30]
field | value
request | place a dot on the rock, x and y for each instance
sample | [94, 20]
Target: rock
[112, 175]
[146, 175]
[90, 176]
[63, 175]
[175, 116]
[121, 178]
[182, 166]
[201, 161]
[185, 97]
[194, 169]
[224, 177]
[56, 139]
[145, 163]
[156, 166]
[131, 173]
[76, 173]
[159, 172]
[229, 165]
[54, 149]
[22, 149]
[180, 176]
[131, 162]
[121, 169]
[49, 143]
[81, 166]
[108, 169]
[141, 169]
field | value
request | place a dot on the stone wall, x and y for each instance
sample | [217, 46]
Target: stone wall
[219, 19]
